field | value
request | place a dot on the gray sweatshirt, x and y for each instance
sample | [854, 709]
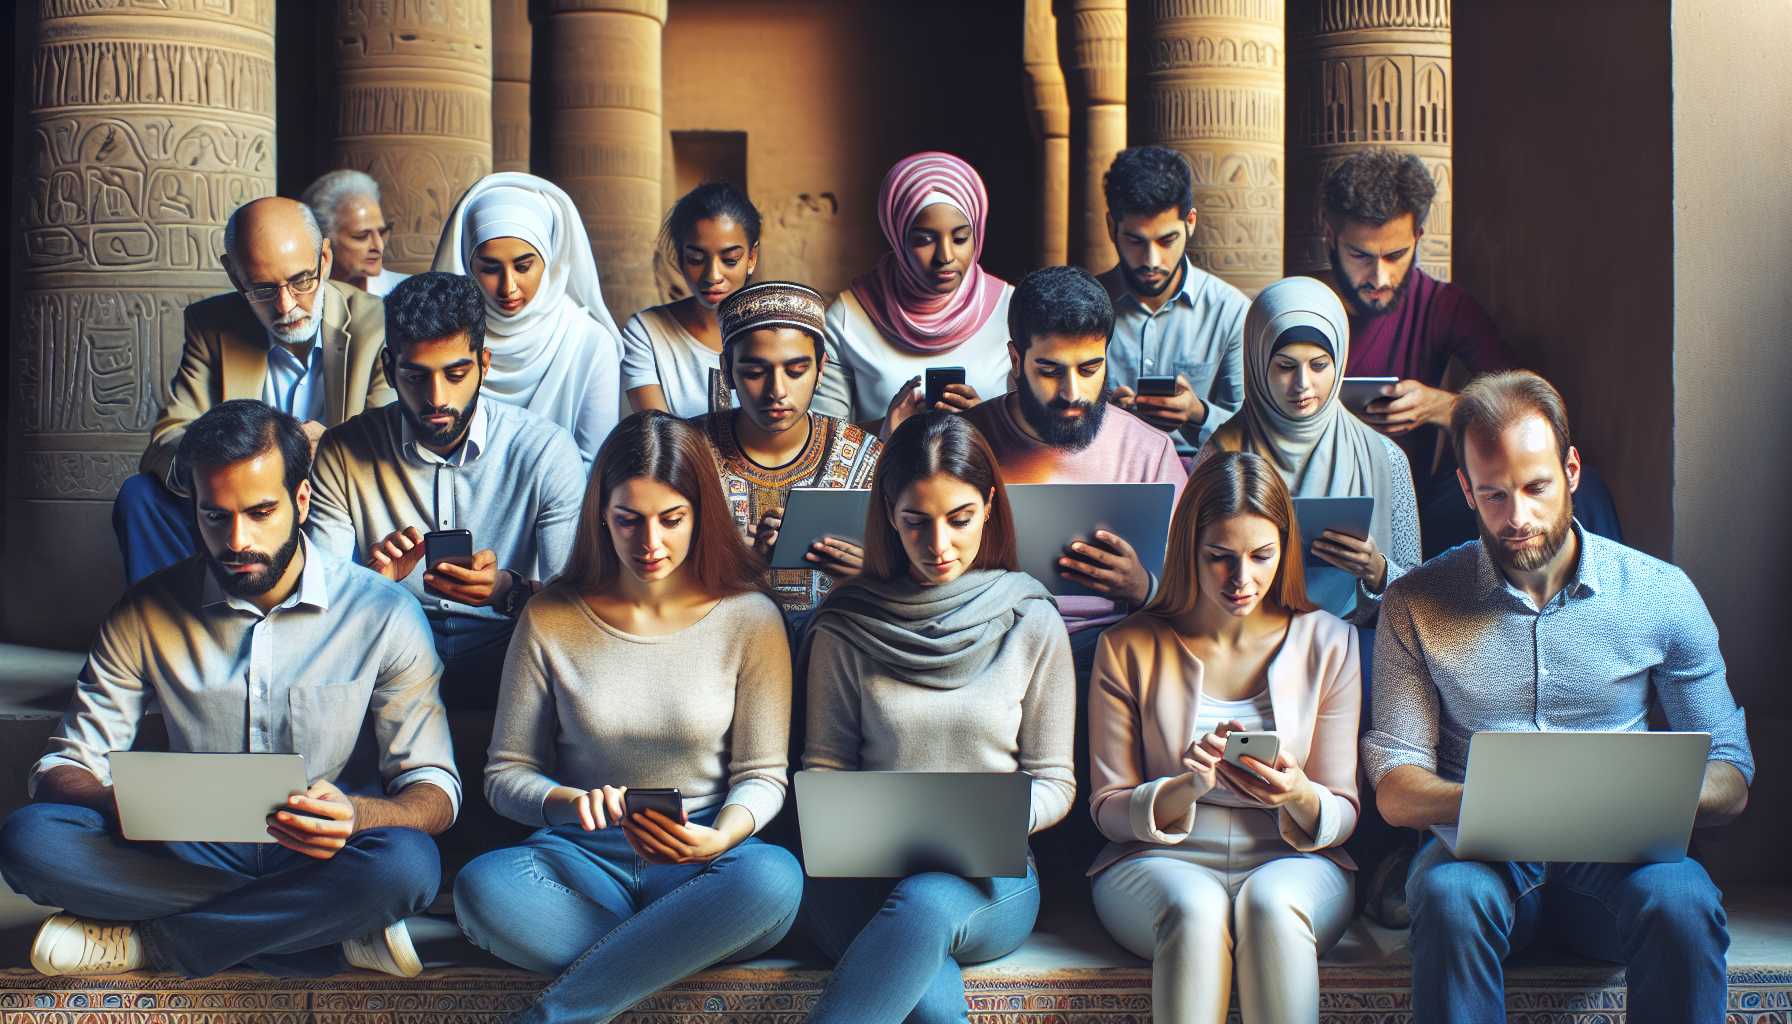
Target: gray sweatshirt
[973, 675]
[583, 704]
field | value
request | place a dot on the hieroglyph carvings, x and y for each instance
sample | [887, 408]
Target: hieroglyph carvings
[512, 49]
[1214, 91]
[1369, 73]
[607, 140]
[414, 109]
[141, 135]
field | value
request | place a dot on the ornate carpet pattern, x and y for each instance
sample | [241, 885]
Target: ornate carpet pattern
[1536, 995]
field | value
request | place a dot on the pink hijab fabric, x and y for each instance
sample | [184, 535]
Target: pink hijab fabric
[898, 294]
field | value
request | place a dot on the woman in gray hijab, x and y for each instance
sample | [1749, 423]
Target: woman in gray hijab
[939, 656]
[1296, 343]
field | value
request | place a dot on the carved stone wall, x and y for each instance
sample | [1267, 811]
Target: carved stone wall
[1214, 90]
[414, 109]
[605, 149]
[512, 49]
[1094, 48]
[1368, 73]
[145, 123]
[1048, 112]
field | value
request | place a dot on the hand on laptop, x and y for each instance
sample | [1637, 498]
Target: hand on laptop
[316, 823]
[661, 840]
[836, 557]
[1109, 566]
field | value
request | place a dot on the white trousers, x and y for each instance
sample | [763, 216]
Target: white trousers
[1232, 892]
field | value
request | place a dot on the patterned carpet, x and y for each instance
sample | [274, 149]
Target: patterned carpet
[1352, 995]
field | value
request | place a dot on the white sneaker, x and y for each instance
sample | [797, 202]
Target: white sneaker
[388, 950]
[67, 944]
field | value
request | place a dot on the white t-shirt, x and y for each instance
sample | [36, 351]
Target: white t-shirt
[866, 370]
[383, 283]
[1254, 713]
[656, 349]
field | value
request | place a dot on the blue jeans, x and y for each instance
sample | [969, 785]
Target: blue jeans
[898, 946]
[1664, 922]
[155, 527]
[472, 652]
[204, 907]
[615, 928]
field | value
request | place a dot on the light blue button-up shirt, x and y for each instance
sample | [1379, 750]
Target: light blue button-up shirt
[346, 647]
[1198, 333]
[293, 387]
[1460, 650]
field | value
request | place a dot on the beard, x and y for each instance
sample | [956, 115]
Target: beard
[1532, 557]
[1141, 288]
[256, 583]
[446, 435]
[1073, 434]
[296, 329]
[1353, 294]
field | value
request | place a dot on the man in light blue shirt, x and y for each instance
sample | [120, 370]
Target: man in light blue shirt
[441, 459]
[262, 644]
[1541, 625]
[1171, 319]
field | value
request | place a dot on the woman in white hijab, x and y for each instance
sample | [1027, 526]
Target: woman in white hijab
[1296, 341]
[555, 349]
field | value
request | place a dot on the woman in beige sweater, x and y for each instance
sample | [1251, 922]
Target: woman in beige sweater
[1211, 862]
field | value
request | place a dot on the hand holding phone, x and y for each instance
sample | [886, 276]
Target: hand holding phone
[669, 802]
[1264, 747]
[452, 546]
[1157, 386]
[938, 378]
[1358, 393]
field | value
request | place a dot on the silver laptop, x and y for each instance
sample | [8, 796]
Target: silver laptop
[811, 513]
[1582, 797]
[202, 798]
[896, 824]
[1047, 517]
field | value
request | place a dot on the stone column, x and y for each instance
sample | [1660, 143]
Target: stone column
[414, 109]
[1214, 90]
[1095, 53]
[1367, 75]
[512, 49]
[606, 144]
[140, 135]
[1049, 112]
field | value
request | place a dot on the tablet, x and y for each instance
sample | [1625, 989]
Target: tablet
[1047, 517]
[811, 513]
[1345, 515]
[1358, 392]
[202, 798]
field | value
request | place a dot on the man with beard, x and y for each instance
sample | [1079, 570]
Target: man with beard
[441, 459]
[1171, 318]
[1057, 426]
[261, 643]
[1543, 625]
[773, 336]
[288, 336]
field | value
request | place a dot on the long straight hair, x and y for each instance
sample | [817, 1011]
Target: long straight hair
[1230, 484]
[927, 444]
[662, 447]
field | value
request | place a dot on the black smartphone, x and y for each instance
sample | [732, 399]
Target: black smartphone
[454, 546]
[666, 801]
[938, 377]
[1157, 387]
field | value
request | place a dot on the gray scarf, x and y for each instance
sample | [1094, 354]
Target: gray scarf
[942, 636]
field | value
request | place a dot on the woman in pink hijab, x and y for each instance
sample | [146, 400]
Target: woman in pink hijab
[926, 303]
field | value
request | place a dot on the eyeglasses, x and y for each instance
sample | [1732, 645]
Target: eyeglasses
[304, 284]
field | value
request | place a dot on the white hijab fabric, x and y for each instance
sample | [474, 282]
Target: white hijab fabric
[542, 355]
[1330, 453]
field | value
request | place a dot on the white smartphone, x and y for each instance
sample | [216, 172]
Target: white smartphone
[1264, 746]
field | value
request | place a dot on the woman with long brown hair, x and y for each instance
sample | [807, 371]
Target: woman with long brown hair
[939, 656]
[1212, 861]
[655, 660]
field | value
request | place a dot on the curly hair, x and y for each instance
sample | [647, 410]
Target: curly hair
[1146, 180]
[1377, 185]
[424, 307]
[1066, 301]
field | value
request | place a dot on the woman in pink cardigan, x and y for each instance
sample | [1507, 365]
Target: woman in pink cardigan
[1208, 862]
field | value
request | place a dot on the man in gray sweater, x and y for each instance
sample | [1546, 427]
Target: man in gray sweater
[439, 459]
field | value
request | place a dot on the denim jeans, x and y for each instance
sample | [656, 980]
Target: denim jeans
[204, 907]
[155, 527]
[1664, 922]
[898, 946]
[472, 652]
[615, 928]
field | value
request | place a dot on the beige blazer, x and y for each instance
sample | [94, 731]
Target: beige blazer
[226, 357]
[1143, 698]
